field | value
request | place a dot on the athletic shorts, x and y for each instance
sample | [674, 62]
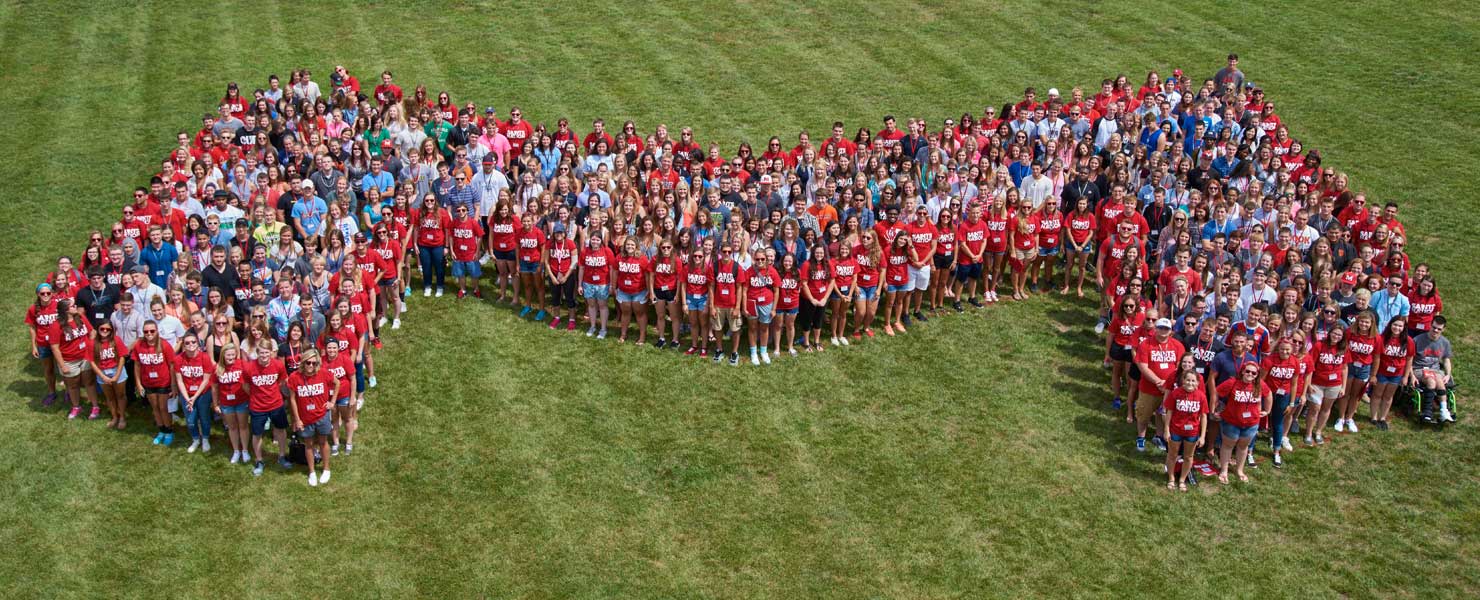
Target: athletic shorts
[597, 292]
[942, 261]
[278, 417]
[664, 295]
[724, 316]
[1122, 354]
[920, 278]
[467, 268]
[503, 255]
[969, 272]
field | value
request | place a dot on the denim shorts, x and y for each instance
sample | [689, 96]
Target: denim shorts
[789, 311]
[234, 410]
[895, 289]
[278, 417]
[1053, 251]
[44, 351]
[1191, 439]
[1359, 372]
[639, 297]
[322, 427]
[111, 372]
[342, 401]
[838, 293]
[1390, 379]
[868, 293]
[1234, 432]
[597, 292]
[764, 313]
[503, 255]
[529, 267]
[467, 268]
[696, 301]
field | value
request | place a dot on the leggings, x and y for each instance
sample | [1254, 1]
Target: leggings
[810, 316]
[433, 262]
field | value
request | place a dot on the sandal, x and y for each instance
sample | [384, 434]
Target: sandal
[1223, 478]
[1243, 478]
[1182, 487]
[1171, 485]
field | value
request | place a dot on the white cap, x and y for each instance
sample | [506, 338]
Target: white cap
[307, 185]
[1053, 91]
[1163, 323]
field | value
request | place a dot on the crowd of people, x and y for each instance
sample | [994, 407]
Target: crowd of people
[1240, 279]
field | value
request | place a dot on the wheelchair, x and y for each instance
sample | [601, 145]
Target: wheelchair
[1410, 399]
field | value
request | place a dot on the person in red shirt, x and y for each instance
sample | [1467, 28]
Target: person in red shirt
[1023, 231]
[107, 361]
[388, 256]
[1050, 235]
[844, 145]
[1157, 358]
[152, 358]
[530, 252]
[597, 265]
[1424, 304]
[1078, 244]
[664, 291]
[559, 260]
[728, 295]
[433, 223]
[598, 134]
[1242, 402]
[633, 280]
[465, 243]
[1361, 349]
[311, 393]
[761, 281]
[997, 217]
[41, 316]
[870, 259]
[971, 239]
[1284, 373]
[503, 241]
[519, 131]
[1328, 379]
[71, 341]
[788, 302]
[263, 381]
[696, 283]
[1184, 427]
[387, 93]
[231, 400]
[193, 370]
[1120, 344]
[341, 366]
[896, 281]
[845, 283]
[944, 259]
[1394, 369]
[923, 238]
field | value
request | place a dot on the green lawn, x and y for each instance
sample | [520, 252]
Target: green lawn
[975, 459]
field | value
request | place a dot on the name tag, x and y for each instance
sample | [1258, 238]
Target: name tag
[1248, 414]
[310, 407]
[1188, 427]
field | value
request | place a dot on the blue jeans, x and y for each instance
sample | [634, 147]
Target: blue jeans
[198, 419]
[433, 262]
[1277, 419]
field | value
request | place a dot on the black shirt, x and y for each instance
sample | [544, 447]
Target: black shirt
[98, 304]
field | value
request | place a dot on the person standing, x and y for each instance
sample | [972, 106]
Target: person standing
[311, 393]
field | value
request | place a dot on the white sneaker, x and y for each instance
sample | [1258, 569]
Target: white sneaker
[1310, 441]
[324, 477]
[426, 292]
[1099, 328]
[234, 456]
[439, 292]
[766, 357]
[205, 446]
[1285, 443]
[1341, 426]
[1351, 425]
[755, 359]
[403, 308]
[835, 341]
[380, 323]
[844, 340]
[1444, 414]
[592, 331]
[194, 444]
[360, 403]
[396, 324]
[313, 479]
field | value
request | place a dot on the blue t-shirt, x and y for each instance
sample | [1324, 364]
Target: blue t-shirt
[161, 262]
[310, 213]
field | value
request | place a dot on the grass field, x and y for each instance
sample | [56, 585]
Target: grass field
[975, 459]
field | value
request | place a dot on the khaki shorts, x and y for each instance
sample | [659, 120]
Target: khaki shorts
[1320, 393]
[726, 315]
[1025, 255]
[73, 368]
[1146, 406]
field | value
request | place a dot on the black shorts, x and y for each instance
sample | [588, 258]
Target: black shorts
[969, 272]
[503, 255]
[942, 261]
[664, 295]
[163, 391]
[278, 417]
[1121, 353]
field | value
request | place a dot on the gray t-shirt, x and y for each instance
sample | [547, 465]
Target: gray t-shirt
[1429, 353]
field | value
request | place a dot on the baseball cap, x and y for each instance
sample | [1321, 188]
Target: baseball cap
[489, 111]
[307, 185]
[1163, 323]
[1053, 91]
[386, 144]
[140, 269]
[1349, 278]
[1176, 72]
[360, 236]
[243, 222]
[220, 194]
[766, 178]
[558, 228]
[488, 159]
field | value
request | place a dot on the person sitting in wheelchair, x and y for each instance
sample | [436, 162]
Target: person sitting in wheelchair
[1432, 370]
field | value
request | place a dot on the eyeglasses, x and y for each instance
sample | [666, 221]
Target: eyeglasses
[312, 363]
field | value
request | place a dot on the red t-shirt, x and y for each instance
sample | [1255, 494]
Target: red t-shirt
[266, 392]
[921, 237]
[1050, 227]
[518, 134]
[896, 266]
[1421, 310]
[758, 284]
[973, 238]
[229, 384]
[1162, 358]
[665, 274]
[1361, 349]
[1123, 330]
[1395, 356]
[1081, 226]
[465, 235]
[195, 371]
[726, 284]
[42, 318]
[531, 242]
[997, 232]
[1330, 364]
[790, 296]
[151, 365]
[696, 280]
[431, 229]
[75, 339]
[1242, 401]
[560, 256]
[1280, 373]
[342, 369]
[109, 355]
[818, 279]
[314, 394]
[844, 272]
[598, 264]
[1024, 231]
[504, 236]
[868, 272]
[632, 274]
[1185, 411]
